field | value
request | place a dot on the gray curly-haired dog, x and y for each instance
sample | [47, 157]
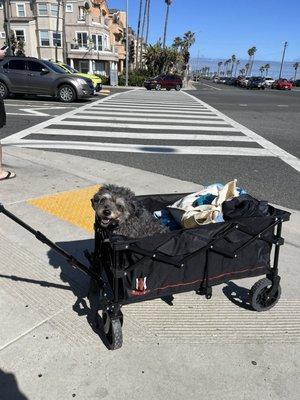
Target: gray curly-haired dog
[118, 210]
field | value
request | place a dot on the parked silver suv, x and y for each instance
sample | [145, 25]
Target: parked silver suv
[27, 75]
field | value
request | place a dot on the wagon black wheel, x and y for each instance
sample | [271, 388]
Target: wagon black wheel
[113, 331]
[260, 298]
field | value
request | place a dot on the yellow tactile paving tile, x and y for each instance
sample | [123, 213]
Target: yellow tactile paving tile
[73, 206]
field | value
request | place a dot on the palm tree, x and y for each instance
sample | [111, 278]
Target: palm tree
[225, 67]
[251, 53]
[188, 39]
[148, 20]
[138, 33]
[142, 33]
[296, 66]
[168, 3]
[236, 65]
[227, 63]
[261, 69]
[177, 43]
[247, 68]
[242, 71]
[219, 66]
[233, 60]
[267, 67]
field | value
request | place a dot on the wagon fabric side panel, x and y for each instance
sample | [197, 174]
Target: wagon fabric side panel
[184, 260]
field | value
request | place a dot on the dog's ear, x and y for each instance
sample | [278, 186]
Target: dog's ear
[97, 196]
[137, 207]
[95, 200]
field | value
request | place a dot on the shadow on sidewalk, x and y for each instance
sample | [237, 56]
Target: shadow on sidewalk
[79, 283]
[238, 295]
[9, 389]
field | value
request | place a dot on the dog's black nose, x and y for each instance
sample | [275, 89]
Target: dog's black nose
[106, 212]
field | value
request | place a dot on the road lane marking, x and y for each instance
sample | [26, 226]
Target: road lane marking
[205, 84]
[243, 105]
[127, 115]
[145, 126]
[30, 115]
[150, 108]
[214, 120]
[282, 105]
[143, 148]
[144, 135]
[286, 157]
[145, 111]
[29, 131]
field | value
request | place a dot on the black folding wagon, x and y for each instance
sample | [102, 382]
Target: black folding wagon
[125, 270]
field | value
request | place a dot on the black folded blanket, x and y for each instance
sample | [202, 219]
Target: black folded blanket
[245, 206]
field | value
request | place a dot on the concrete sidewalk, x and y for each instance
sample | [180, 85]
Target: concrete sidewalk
[194, 349]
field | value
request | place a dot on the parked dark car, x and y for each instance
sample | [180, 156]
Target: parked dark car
[27, 75]
[282, 84]
[297, 82]
[231, 82]
[164, 81]
[257, 82]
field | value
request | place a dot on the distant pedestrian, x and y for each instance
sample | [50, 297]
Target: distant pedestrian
[3, 173]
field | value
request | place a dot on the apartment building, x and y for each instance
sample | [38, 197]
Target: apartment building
[89, 47]
[78, 33]
[35, 23]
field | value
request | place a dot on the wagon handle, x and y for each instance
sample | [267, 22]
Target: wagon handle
[42, 238]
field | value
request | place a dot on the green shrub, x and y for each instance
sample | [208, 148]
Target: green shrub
[135, 78]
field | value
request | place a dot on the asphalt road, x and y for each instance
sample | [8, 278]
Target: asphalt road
[26, 111]
[273, 115]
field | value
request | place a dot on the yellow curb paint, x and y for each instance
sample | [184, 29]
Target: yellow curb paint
[73, 206]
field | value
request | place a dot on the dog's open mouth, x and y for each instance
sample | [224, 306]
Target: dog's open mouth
[105, 221]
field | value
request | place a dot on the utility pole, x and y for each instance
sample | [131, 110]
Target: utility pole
[283, 54]
[127, 45]
[64, 38]
[6, 13]
[57, 29]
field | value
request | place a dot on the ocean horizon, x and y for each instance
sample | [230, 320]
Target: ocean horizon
[287, 69]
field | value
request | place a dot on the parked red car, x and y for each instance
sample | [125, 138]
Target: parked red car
[164, 81]
[282, 84]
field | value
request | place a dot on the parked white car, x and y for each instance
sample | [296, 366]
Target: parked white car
[269, 81]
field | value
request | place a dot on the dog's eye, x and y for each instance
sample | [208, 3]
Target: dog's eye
[120, 207]
[102, 200]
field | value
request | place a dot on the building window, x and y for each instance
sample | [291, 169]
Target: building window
[19, 35]
[81, 13]
[21, 10]
[99, 67]
[106, 43]
[42, 9]
[97, 42]
[54, 10]
[44, 38]
[69, 7]
[82, 40]
[56, 39]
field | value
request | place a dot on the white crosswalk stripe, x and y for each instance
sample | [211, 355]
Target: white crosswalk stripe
[139, 121]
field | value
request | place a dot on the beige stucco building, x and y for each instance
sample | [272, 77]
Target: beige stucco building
[86, 35]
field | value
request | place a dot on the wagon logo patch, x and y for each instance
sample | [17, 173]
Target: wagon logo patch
[140, 287]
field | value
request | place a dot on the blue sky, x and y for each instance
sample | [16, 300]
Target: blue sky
[227, 27]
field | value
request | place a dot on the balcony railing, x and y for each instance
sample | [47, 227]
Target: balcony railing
[90, 48]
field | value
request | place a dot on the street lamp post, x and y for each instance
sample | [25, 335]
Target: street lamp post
[283, 54]
[127, 46]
